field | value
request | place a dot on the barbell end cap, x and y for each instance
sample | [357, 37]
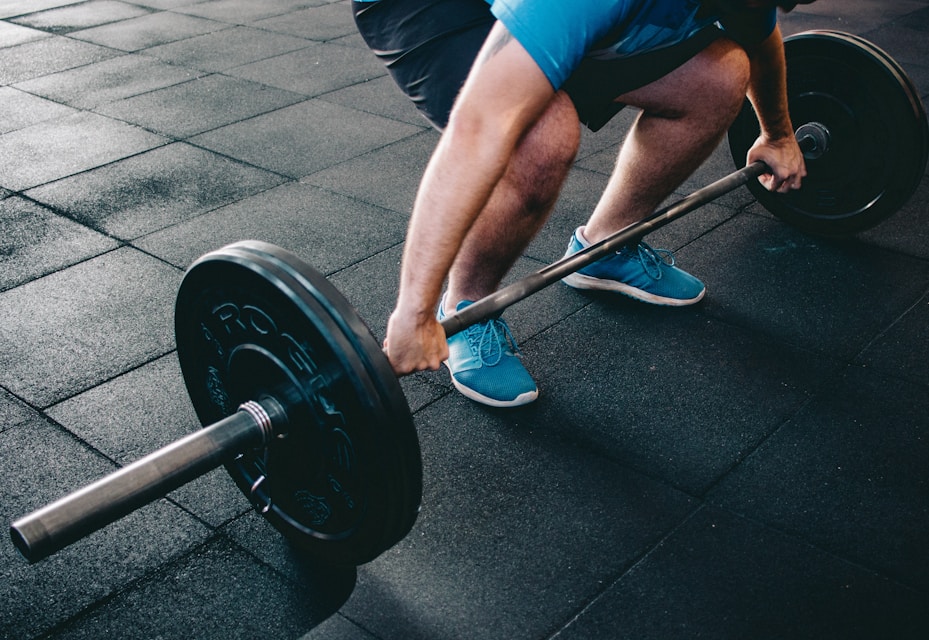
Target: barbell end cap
[813, 138]
[29, 545]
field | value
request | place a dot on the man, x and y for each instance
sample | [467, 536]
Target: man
[511, 133]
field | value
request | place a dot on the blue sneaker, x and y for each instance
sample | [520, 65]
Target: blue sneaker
[485, 364]
[640, 272]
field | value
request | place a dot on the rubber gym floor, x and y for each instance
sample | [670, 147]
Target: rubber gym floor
[754, 467]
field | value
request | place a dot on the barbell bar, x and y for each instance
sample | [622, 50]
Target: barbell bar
[300, 403]
[811, 144]
[256, 423]
[74, 516]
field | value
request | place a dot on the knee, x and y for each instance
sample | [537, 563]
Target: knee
[555, 137]
[547, 151]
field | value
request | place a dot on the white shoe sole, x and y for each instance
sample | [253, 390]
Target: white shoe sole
[518, 401]
[580, 281]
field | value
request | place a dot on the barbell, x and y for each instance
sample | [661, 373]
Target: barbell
[302, 406]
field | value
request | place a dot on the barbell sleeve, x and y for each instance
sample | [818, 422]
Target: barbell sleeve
[57, 525]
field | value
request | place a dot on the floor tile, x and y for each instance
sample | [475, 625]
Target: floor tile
[222, 50]
[13, 34]
[153, 190]
[150, 30]
[184, 110]
[326, 21]
[493, 554]
[392, 173]
[126, 425]
[670, 392]
[338, 628]
[19, 110]
[42, 463]
[107, 81]
[801, 290]
[13, 8]
[80, 16]
[13, 412]
[72, 330]
[721, 577]
[381, 97]
[904, 347]
[47, 55]
[314, 70]
[328, 231]
[243, 11]
[848, 466]
[36, 242]
[210, 584]
[331, 135]
[62, 147]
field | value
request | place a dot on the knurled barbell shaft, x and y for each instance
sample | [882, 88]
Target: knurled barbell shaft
[496, 302]
[59, 524]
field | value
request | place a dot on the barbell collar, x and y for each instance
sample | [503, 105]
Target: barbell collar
[61, 523]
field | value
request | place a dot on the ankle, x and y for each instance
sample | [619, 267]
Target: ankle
[453, 297]
[581, 234]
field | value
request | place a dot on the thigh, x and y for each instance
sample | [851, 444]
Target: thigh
[428, 46]
[599, 87]
[713, 81]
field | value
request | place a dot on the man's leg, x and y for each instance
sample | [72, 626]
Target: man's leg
[483, 359]
[519, 206]
[428, 54]
[684, 116]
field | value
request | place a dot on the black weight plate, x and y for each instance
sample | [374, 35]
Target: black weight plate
[345, 481]
[879, 136]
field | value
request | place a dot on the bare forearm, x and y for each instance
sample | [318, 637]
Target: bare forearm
[768, 87]
[777, 146]
[501, 100]
[504, 94]
[457, 184]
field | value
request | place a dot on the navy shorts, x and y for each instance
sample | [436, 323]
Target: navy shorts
[428, 47]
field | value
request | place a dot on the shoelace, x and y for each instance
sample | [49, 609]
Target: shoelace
[488, 341]
[651, 259]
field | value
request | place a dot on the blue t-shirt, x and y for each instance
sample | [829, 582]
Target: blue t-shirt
[558, 34]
